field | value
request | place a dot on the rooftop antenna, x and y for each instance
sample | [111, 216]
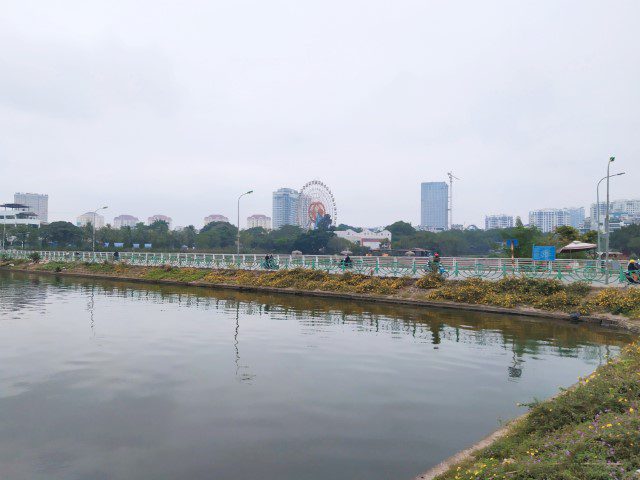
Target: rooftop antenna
[451, 177]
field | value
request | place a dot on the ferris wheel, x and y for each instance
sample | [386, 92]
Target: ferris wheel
[315, 202]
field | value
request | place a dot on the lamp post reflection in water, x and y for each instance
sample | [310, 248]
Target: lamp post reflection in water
[244, 377]
[90, 308]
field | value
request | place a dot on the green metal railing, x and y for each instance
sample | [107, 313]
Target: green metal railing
[590, 271]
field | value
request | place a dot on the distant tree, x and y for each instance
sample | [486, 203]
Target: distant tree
[217, 235]
[324, 223]
[314, 241]
[344, 226]
[527, 237]
[627, 239]
[519, 223]
[589, 237]
[283, 239]
[564, 235]
[188, 236]
[400, 229]
[63, 233]
[160, 227]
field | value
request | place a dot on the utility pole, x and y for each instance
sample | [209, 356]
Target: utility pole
[238, 239]
[606, 225]
[600, 251]
[93, 236]
[451, 177]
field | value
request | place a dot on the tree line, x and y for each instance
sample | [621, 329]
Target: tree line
[221, 237]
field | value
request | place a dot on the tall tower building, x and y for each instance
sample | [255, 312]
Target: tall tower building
[434, 205]
[37, 203]
[285, 206]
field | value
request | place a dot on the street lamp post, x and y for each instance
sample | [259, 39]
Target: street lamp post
[238, 239]
[598, 210]
[606, 225]
[4, 226]
[93, 224]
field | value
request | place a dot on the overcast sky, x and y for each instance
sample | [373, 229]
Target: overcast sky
[177, 107]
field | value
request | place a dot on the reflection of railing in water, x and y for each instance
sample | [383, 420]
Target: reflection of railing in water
[430, 326]
[590, 271]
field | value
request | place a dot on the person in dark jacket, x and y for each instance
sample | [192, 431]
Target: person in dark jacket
[633, 271]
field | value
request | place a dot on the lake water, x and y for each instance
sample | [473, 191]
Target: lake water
[110, 380]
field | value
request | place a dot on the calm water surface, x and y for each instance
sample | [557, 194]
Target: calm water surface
[108, 380]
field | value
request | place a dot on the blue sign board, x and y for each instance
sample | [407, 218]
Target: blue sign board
[546, 254]
[118, 244]
[511, 242]
[136, 245]
[147, 245]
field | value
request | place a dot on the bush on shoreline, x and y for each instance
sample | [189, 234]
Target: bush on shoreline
[511, 292]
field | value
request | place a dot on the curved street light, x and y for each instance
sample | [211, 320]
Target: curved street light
[93, 224]
[606, 225]
[238, 239]
[598, 208]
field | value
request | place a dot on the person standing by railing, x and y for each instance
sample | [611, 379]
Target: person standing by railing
[435, 263]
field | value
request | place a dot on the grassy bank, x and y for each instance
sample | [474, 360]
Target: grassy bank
[516, 292]
[589, 432]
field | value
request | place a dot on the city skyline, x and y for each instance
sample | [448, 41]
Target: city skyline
[518, 123]
[574, 215]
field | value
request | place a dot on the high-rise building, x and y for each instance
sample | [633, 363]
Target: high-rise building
[88, 218]
[125, 221]
[285, 207]
[628, 210]
[161, 218]
[434, 205]
[37, 203]
[576, 216]
[492, 222]
[215, 218]
[259, 220]
[548, 219]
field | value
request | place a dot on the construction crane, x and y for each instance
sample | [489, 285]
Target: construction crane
[451, 177]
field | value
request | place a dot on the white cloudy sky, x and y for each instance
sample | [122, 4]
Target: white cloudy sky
[176, 107]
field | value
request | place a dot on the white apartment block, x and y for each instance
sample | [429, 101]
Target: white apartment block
[89, 218]
[214, 217]
[125, 221]
[259, 220]
[548, 219]
[492, 222]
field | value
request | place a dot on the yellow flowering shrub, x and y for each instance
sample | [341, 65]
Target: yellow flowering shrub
[616, 300]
